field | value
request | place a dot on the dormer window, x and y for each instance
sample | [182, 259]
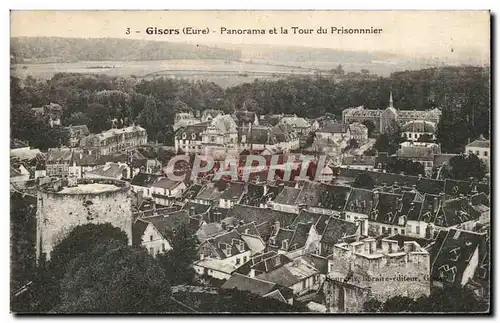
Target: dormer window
[193, 136]
[183, 136]
[272, 241]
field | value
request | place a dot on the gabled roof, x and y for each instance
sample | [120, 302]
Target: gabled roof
[166, 183]
[336, 229]
[145, 179]
[455, 211]
[248, 228]
[456, 188]
[254, 194]
[58, 155]
[288, 196]
[233, 191]
[228, 239]
[420, 126]
[110, 170]
[192, 191]
[452, 253]
[138, 229]
[386, 208]
[317, 219]
[480, 143]
[300, 236]
[255, 286]
[334, 127]
[360, 201]
[167, 222]
[291, 273]
[208, 230]
[197, 207]
[260, 215]
[210, 192]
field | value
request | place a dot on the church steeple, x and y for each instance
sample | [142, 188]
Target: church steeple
[391, 105]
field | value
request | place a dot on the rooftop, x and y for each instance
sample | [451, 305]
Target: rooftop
[89, 188]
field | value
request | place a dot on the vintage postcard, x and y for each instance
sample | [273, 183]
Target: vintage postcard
[187, 162]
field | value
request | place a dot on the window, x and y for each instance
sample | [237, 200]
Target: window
[417, 229]
[237, 261]
[396, 230]
[402, 231]
[485, 154]
[303, 284]
[245, 259]
[152, 251]
[477, 152]
[163, 247]
[151, 238]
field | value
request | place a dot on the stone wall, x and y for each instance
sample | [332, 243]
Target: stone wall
[58, 214]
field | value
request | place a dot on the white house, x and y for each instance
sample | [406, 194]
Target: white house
[165, 191]
[481, 148]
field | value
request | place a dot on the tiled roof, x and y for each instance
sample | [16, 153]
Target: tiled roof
[208, 230]
[334, 127]
[233, 191]
[451, 254]
[210, 193]
[359, 201]
[145, 179]
[197, 207]
[110, 170]
[287, 196]
[479, 144]
[336, 229]
[192, 191]
[166, 183]
[386, 208]
[419, 126]
[167, 222]
[58, 154]
[227, 238]
[317, 219]
[255, 286]
[291, 273]
[260, 215]
[253, 195]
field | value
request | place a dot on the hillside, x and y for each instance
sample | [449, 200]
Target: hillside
[55, 49]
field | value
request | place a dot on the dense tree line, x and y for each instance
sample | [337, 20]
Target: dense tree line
[461, 92]
[50, 49]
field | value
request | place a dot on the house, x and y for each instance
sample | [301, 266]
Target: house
[165, 191]
[414, 130]
[382, 119]
[116, 140]
[336, 231]
[422, 153]
[456, 257]
[209, 230]
[143, 182]
[76, 133]
[110, 170]
[299, 275]
[263, 262]
[52, 112]
[58, 162]
[220, 137]
[184, 119]
[259, 287]
[231, 195]
[151, 232]
[209, 194]
[300, 125]
[189, 139]
[337, 132]
[360, 270]
[19, 174]
[481, 148]
[221, 255]
[358, 132]
[83, 162]
[358, 162]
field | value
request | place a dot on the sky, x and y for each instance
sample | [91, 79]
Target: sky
[442, 34]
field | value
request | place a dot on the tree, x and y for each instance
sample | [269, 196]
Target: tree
[114, 278]
[100, 117]
[405, 166]
[78, 118]
[81, 239]
[370, 125]
[463, 167]
[372, 305]
[364, 180]
[177, 263]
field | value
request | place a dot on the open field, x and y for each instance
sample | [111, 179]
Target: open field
[223, 73]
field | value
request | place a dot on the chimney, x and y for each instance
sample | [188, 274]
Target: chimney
[191, 211]
[276, 227]
[252, 273]
[435, 204]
